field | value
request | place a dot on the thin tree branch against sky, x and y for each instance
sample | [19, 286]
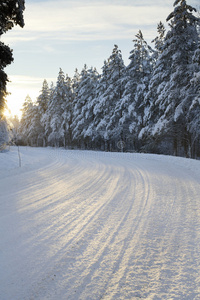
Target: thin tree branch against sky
[68, 34]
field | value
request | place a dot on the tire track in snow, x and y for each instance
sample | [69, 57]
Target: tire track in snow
[108, 233]
[92, 225]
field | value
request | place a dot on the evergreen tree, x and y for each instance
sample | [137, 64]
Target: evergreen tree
[11, 12]
[166, 118]
[4, 133]
[35, 130]
[159, 40]
[56, 110]
[67, 112]
[15, 123]
[46, 117]
[110, 91]
[193, 115]
[26, 120]
[97, 126]
[114, 93]
[42, 105]
[43, 98]
[83, 94]
[139, 73]
[87, 113]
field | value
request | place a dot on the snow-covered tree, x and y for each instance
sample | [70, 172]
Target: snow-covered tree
[14, 124]
[43, 98]
[87, 113]
[98, 104]
[4, 133]
[55, 112]
[159, 40]
[193, 114]
[166, 117]
[113, 96]
[42, 105]
[109, 93]
[67, 112]
[26, 120]
[35, 130]
[82, 112]
[138, 71]
[46, 117]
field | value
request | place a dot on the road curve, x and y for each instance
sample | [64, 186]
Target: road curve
[91, 225]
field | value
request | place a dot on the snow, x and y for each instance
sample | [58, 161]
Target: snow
[95, 225]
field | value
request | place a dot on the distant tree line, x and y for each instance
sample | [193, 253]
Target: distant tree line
[151, 105]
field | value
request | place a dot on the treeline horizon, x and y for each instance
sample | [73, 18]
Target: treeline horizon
[151, 105]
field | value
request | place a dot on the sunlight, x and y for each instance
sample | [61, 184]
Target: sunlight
[7, 113]
[14, 104]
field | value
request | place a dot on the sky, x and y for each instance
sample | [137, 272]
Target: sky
[70, 33]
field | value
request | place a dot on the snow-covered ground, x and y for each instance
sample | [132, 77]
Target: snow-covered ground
[92, 225]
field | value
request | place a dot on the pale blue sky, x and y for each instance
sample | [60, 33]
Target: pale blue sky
[70, 33]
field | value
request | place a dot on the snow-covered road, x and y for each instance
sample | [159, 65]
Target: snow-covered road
[91, 225]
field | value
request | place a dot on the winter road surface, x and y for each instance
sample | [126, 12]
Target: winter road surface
[91, 225]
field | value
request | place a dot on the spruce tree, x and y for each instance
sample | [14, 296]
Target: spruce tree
[42, 105]
[193, 114]
[109, 93]
[26, 120]
[168, 99]
[56, 110]
[139, 72]
[46, 117]
[84, 94]
[87, 110]
[113, 96]
[97, 127]
[67, 112]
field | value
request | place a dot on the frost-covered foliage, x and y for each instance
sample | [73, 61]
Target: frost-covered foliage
[150, 105]
[4, 133]
[108, 98]
[193, 113]
[82, 115]
[169, 94]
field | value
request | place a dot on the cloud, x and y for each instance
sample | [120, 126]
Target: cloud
[20, 80]
[86, 20]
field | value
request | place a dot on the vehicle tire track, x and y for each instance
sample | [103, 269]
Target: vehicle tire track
[91, 225]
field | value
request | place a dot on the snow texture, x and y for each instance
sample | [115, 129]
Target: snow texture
[93, 225]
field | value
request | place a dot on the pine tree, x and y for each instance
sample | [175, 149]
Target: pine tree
[139, 72]
[97, 127]
[67, 112]
[46, 117]
[4, 133]
[43, 98]
[87, 113]
[42, 103]
[11, 12]
[26, 120]
[159, 40]
[56, 110]
[84, 95]
[166, 118]
[193, 114]
[113, 95]
[110, 91]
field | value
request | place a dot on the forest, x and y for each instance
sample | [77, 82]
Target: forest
[151, 105]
